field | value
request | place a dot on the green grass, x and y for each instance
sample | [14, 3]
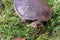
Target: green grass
[11, 25]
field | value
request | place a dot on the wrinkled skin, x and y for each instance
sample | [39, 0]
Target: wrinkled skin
[37, 10]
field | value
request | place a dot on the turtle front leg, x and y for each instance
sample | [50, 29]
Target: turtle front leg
[39, 27]
[40, 30]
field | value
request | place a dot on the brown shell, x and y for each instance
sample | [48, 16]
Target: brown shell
[33, 9]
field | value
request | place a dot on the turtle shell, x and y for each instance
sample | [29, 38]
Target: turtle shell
[33, 9]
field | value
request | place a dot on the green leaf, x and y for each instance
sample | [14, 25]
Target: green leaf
[57, 28]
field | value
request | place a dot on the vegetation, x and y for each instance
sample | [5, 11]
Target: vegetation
[11, 25]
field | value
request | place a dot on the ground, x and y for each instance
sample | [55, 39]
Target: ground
[11, 25]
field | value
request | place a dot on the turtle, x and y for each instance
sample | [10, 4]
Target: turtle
[37, 11]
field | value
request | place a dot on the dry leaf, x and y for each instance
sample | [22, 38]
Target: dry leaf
[18, 38]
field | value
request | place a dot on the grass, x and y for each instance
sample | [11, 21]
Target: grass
[11, 25]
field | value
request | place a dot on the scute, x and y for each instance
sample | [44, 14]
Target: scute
[23, 9]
